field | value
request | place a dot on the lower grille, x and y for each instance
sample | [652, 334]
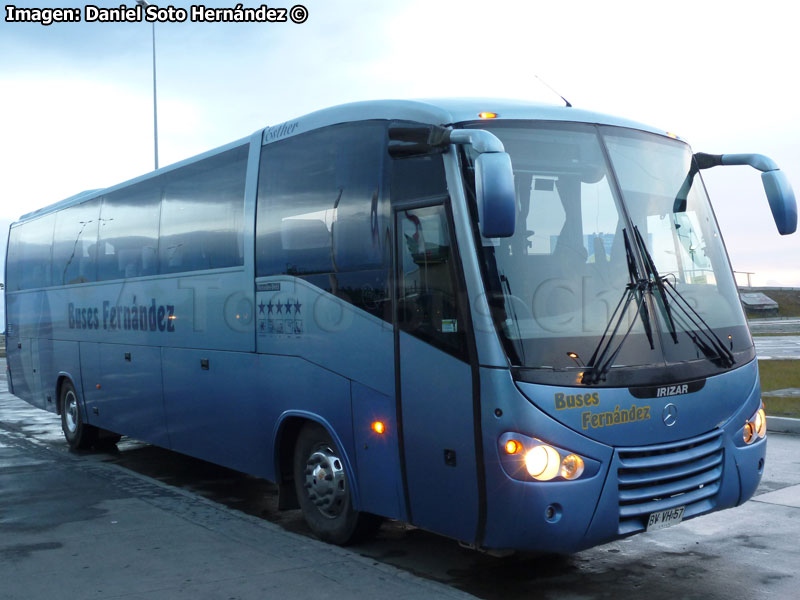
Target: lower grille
[655, 478]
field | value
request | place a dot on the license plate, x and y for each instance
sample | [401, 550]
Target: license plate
[665, 518]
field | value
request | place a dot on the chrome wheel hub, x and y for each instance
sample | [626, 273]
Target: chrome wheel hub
[326, 482]
[71, 411]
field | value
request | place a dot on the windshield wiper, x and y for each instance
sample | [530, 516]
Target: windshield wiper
[654, 279]
[603, 358]
[711, 346]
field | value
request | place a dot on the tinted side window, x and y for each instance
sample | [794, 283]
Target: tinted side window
[202, 214]
[74, 244]
[427, 302]
[320, 203]
[418, 177]
[29, 254]
[128, 235]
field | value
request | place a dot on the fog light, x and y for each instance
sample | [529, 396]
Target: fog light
[748, 433]
[572, 467]
[542, 462]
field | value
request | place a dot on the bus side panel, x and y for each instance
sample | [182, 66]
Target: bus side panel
[295, 317]
[380, 481]
[227, 413]
[19, 311]
[123, 390]
[18, 356]
[291, 384]
[64, 359]
[214, 411]
[206, 310]
[43, 360]
[30, 367]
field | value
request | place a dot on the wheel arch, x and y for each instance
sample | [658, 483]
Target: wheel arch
[287, 429]
[62, 377]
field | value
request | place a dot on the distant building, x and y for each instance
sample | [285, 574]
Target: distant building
[758, 304]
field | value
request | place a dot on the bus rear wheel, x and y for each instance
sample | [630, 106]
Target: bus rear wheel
[79, 435]
[323, 490]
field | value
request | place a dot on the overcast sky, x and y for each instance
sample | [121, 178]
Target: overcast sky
[76, 99]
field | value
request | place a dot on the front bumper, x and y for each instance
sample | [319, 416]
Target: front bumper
[704, 472]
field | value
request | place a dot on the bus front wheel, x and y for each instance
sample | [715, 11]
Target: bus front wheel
[79, 435]
[323, 490]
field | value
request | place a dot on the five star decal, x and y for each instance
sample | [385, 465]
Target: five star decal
[290, 320]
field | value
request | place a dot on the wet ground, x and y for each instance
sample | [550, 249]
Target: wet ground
[785, 325]
[778, 347]
[777, 338]
[752, 550]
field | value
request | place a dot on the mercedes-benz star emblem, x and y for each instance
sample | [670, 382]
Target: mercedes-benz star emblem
[670, 415]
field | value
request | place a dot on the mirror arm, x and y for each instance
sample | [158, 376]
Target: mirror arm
[415, 140]
[757, 161]
[480, 139]
[776, 185]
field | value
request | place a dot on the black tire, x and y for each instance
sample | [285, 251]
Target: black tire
[79, 435]
[323, 490]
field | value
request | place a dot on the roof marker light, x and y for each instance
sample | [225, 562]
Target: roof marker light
[487, 115]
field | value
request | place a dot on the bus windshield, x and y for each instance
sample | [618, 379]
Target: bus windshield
[554, 285]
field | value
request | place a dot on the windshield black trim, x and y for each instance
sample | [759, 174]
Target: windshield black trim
[648, 375]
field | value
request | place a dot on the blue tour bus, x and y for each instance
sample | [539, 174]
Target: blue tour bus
[518, 328]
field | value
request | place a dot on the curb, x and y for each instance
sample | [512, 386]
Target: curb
[783, 425]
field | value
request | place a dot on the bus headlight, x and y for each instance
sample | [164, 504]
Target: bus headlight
[542, 462]
[748, 433]
[528, 458]
[572, 466]
[761, 422]
[755, 427]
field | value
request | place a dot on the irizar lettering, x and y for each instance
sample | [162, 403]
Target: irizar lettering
[615, 417]
[128, 317]
[672, 390]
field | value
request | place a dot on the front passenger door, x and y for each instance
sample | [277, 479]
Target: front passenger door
[435, 376]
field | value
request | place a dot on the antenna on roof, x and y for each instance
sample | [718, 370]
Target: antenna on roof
[567, 102]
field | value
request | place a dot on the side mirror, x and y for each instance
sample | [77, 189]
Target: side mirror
[494, 182]
[495, 194]
[776, 185]
[781, 200]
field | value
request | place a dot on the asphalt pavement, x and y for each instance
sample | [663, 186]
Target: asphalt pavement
[74, 526]
[782, 341]
[777, 347]
[790, 325]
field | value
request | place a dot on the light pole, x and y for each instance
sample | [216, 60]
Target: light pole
[144, 4]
